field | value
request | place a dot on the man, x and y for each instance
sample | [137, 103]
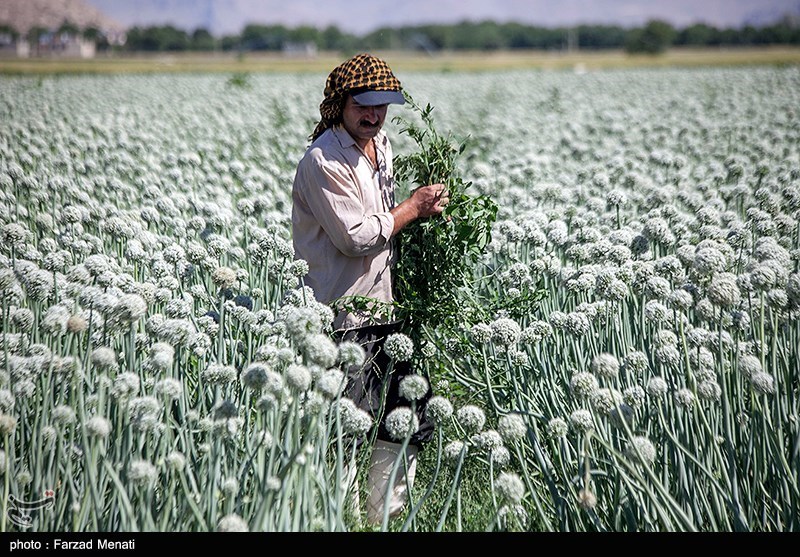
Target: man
[343, 220]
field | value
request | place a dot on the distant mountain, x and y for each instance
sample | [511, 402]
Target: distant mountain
[22, 15]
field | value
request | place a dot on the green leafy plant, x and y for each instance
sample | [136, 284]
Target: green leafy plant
[434, 272]
[240, 80]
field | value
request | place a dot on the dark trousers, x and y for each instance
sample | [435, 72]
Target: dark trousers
[367, 383]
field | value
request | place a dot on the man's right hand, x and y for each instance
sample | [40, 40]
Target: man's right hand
[425, 201]
[430, 200]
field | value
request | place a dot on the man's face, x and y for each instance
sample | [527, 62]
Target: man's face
[362, 122]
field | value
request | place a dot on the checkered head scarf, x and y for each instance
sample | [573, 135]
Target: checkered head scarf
[362, 71]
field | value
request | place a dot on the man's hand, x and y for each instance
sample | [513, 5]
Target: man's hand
[425, 201]
[430, 200]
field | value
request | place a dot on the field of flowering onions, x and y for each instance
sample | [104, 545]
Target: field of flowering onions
[163, 368]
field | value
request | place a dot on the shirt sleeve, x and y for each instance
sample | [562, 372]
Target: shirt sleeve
[333, 197]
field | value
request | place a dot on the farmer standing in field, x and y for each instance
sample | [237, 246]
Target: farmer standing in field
[343, 219]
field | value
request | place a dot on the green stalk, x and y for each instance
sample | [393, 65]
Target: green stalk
[453, 488]
[416, 507]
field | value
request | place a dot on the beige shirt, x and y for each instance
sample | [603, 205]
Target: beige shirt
[341, 224]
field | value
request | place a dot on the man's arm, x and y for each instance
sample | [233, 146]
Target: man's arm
[330, 194]
[424, 202]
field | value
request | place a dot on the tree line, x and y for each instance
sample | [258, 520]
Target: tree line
[654, 36]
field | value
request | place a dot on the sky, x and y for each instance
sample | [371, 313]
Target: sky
[362, 16]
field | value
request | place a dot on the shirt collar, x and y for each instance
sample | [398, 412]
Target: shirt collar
[346, 140]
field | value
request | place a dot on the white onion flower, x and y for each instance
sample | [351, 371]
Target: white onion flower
[331, 383]
[99, 427]
[510, 487]
[438, 410]
[665, 337]
[169, 388]
[763, 382]
[557, 428]
[64, 415]
[500, 457]
[22, 318]
[125, 384]
[634, 396]
[657, 288]
[606, 401]
[605, 365]
[401, 422]
[218, 374]
[641, 449]
[581, 420]
[537, 331]
[255, 376]
[481, 333]
[298, 377]
[176, 460]
[142, 473]
[143, 413]
[232, 523]
[723, 290]
[358, 422]
[584, 384]
[320, 350]
[452, 451]
[471, 418]
[657, 387]
[413, 387]
[685, 398]
[668, 355]
[680, 299]
[351, 354]
[104, 358]
[161, 356]
[505, 331]
[487, 440]
[655, 312]
[577, 323]
[708, 261]
[224, 277]
[709, 390]
[749, 365]
[399, 347]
